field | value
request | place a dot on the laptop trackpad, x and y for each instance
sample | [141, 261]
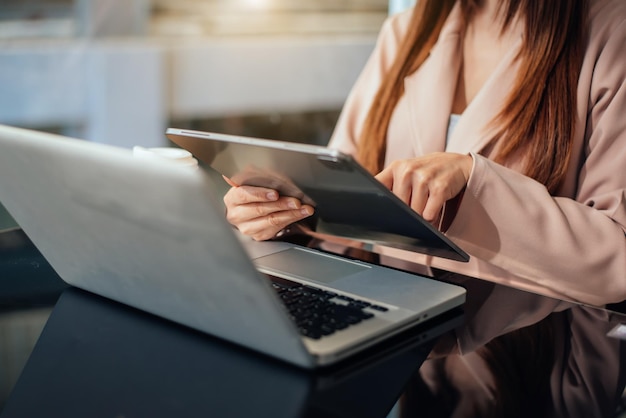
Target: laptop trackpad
[310, 265]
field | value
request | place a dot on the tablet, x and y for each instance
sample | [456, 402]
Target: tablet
[349, 201]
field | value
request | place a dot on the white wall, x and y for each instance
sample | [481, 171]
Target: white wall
[123, 91]
[109, 81]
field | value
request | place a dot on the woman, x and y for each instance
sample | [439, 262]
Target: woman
[502, 122]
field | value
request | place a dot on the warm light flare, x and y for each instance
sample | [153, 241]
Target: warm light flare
[257, 4]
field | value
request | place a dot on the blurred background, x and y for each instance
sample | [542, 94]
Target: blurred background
[121, 71]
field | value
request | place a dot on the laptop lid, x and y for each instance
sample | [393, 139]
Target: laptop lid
[142, 232]
[349, 201]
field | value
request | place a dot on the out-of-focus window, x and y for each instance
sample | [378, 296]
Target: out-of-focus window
[397, 6]
[21, 19]
[332, 20]
[262, 17]
[122, 71]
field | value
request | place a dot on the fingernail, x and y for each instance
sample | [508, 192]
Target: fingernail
[306, 211]
[293, 205]
[271, 195]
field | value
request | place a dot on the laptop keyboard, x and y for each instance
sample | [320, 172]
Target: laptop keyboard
[318, 313]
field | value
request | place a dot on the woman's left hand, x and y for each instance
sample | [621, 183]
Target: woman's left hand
[426, 183]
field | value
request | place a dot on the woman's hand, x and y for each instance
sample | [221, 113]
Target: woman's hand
[260, 212]
[426, 183]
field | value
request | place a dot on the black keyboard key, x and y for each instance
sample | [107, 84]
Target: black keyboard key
[315, 313]
[366, 315]
[339, 325]
[326, 330]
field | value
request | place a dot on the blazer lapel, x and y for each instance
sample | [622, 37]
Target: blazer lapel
[430, 91]
[472, 133]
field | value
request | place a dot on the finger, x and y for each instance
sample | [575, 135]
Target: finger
[433, 207]
[266, 227]
[403, 190]
[258, 230]
[249, 194]
[419, 196]
[385, 177]
[239, 213]
[281, 205]
[401, 182]
[439, 193]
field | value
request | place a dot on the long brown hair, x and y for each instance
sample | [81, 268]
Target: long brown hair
[539, 116]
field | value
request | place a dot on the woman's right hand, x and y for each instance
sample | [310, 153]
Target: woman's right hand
[260, 212]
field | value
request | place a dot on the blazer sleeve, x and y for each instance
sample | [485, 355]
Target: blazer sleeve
[574, 246]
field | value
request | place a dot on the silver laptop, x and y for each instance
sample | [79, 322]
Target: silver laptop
[151, 234]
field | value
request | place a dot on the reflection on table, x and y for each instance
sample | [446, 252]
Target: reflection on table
[521, 355]
[511, 353]
[98, 358]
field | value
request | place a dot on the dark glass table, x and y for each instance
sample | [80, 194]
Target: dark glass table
[68, 353]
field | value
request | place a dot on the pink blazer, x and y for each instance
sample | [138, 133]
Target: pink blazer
[571, 246]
